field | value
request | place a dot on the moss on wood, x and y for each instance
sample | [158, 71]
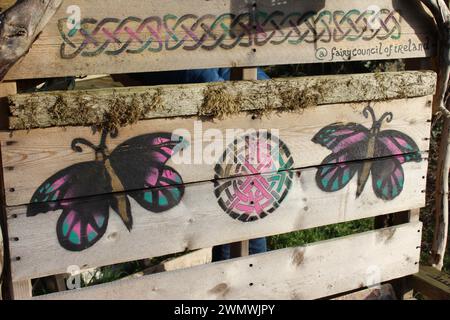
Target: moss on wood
[115, 108]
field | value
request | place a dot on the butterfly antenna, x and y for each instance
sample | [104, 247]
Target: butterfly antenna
[102, 145]
[80, 141]
[369, 111]
[388, 116]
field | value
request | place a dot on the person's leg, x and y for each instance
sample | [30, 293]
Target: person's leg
[222, 252]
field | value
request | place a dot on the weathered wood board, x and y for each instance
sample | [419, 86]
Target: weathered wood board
[123, 36]
[95, 107]
[310, 272]
[431, 283]
[189, 260]
[5, 4]
[203, 218]
[31, 157]
[376, 292]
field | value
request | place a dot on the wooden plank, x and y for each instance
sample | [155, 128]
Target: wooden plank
[31, 157]
[123, 36]
[5, 4]
[1, 261]
[6, 88]
[199, 257]
[309, 272]
[200, 219]
[432, 283]
[189, 260]
[22, 290]
[381, 292]
[96, 106]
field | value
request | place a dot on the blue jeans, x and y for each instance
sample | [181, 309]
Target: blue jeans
[221, 252]
[188, 76]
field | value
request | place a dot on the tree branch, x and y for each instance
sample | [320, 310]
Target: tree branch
[441, 14]
[20, 25]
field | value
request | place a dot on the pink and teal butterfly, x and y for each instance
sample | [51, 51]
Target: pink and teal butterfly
[137, 165]
[352, 141]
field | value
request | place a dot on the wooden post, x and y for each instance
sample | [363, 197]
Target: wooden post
[1, 260]
[403, 286]
[22, 289]
[432, 283]
[241, 249]
[6, 88]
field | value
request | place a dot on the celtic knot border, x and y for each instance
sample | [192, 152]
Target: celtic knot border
[208, 32]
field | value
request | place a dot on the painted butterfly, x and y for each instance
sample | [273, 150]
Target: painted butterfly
[352, 141]
[137, 164]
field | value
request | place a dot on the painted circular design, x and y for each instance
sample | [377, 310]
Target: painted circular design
[260, 163]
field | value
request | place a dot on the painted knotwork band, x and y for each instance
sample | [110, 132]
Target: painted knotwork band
[133, 35]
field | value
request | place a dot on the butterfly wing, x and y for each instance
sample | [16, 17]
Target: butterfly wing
[334, 173]
[347, 142]
[393, 142]
[387, 174]
[73, 182]
[82, 223]
[140, 164]
[167, 190]
[344, 138]
[387, 178]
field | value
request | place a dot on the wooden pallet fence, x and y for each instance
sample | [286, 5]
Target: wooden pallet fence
[310, 272]
[431, 283]
[30, 157]
[123, 36]
[96, 198]
[207, 214]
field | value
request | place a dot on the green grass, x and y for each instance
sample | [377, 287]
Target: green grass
[300, 238]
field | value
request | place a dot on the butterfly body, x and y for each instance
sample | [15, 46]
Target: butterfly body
[137, 165]
[365, 171]
[352, 141]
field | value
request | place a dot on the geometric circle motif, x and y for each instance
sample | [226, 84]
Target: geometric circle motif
[259, 164]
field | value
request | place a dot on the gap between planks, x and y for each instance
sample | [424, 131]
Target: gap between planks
[309, 272]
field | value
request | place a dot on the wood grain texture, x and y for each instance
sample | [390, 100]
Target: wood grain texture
[432, 283]
[5, 4]
[20, 25]
[378, 292]
[22, 290]
[310, 272]
[76, 108]
[189, 260]
[224, 33]
[199, 222]
[31, 157]
[7, 88]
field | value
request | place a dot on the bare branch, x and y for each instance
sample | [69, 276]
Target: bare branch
[441, 14]
[20, 25]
